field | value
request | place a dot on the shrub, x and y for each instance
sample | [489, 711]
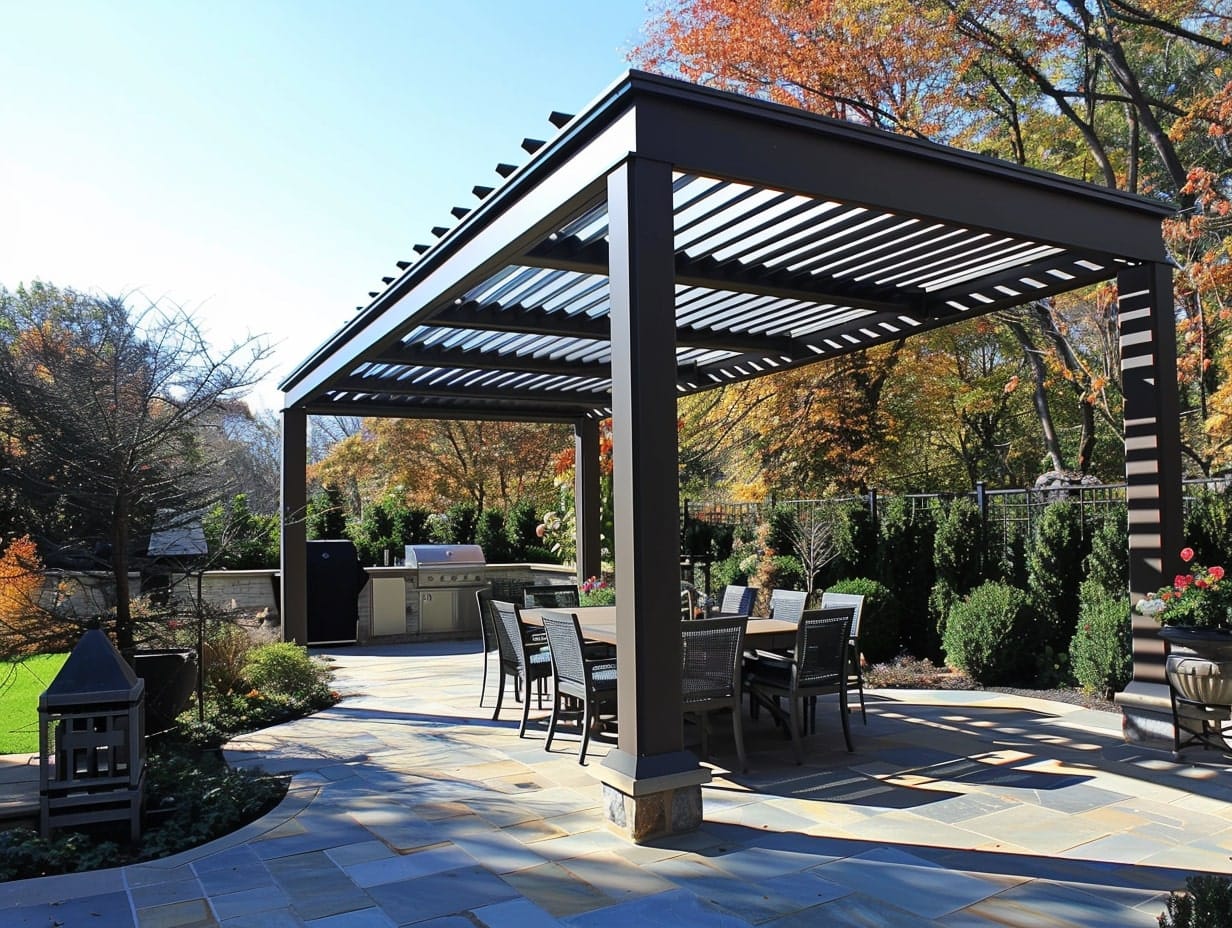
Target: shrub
[958, 546]
[240, 539]
[727, 572]
[782, 572]
[190, 800]
[521, 521]
[1108, 561]
[879, 619]
[491, 535]
[905, 565]
[696, 538]
[461, 521]
[988, 634]
[326, 516]
[1100, 653]
[226, 650]
[1208, 526]
[284, 668]
[1206, 903]
[855, 542]
[1054, 571]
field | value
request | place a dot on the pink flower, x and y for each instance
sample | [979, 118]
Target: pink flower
[1182, 581]
[1216, 573]
[1187, 554]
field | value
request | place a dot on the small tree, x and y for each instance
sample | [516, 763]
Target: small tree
[108, 406]
[812, 537]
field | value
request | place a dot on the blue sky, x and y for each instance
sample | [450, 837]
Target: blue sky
[264, 164]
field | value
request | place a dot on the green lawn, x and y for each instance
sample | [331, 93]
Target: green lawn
[20, 686]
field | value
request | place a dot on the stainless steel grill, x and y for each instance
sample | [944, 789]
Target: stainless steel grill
[447, 577]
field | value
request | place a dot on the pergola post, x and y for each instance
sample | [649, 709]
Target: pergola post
[1153, 477]
[652, 787]
[586, 498]
[294, 544]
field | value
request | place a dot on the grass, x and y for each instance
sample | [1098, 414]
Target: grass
[21, 683]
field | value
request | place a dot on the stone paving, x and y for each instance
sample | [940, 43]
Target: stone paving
[409, 805]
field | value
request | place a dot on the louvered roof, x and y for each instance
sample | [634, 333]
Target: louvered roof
[796, 237]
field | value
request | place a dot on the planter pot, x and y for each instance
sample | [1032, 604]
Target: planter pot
[1212, 643]
[170, 676]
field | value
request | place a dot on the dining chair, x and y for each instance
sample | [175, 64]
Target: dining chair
[787, 605]
[855, 673]
[818, 667]
[551, 596]
[519, 658]
[737, 600]
[488, 634]
[590, 682]
[711, 674]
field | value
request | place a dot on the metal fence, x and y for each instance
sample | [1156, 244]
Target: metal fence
[1008, 514]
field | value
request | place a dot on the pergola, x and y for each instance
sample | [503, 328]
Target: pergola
[671, 239]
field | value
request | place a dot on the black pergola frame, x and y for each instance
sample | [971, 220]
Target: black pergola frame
[673, 238]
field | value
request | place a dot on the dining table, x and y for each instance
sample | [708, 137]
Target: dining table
[598, 624]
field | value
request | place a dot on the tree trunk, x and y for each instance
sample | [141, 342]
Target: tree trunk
[1039, 375]
[119, 569]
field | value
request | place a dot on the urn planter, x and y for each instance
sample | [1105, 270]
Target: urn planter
[1199, 671]
[170, 676]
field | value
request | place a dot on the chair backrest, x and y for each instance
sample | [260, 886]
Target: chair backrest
[554, 596]
[487, 622]
[851, 600]
[509, 589]
[821, 648]
[565, 644]
[787, 605]
[712, 652]
[737, 600]
[509, 633]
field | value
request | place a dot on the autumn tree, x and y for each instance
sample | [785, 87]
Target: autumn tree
[103, 411]
[1124, 94]
[435, 463]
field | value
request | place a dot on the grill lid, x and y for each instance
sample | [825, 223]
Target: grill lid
[420, 556]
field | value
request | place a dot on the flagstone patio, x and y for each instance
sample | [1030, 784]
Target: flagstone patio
[409, 805]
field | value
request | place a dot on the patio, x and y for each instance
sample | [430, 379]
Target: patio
[409, 805]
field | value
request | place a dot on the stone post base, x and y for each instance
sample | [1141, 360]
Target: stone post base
[1146, 714]
[646, 808]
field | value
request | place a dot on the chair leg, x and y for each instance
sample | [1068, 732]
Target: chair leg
[525, 712]
[860, 689]
[703, 722]
[483, 687]
[845, 715]
[738, 734]
[586, 709]
[556, 699]
[793, 724]
[500, 693]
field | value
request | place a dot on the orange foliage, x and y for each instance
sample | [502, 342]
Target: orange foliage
[21, 580]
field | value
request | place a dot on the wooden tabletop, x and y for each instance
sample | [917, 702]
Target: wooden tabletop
[599, 624]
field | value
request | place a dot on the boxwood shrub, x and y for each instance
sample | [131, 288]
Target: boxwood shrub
[879, 619]
[988, 634]
[1100, 654]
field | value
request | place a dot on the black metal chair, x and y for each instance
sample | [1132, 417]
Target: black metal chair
[855, 673]
[553, 596]
[818, 667]
[738, 600]
[592, 683]
[519, 658]
[712, 657]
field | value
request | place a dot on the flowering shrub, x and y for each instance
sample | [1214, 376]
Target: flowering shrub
[595, 591]
[1199, 598]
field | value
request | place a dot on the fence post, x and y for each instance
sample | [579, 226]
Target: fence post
[872, 506]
